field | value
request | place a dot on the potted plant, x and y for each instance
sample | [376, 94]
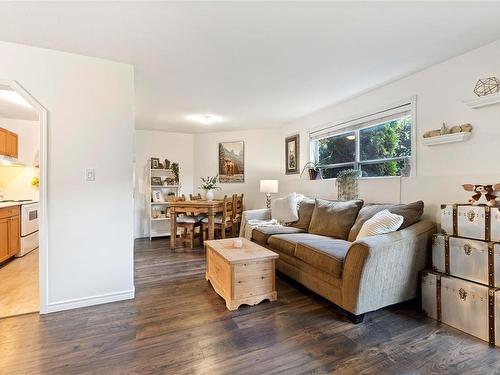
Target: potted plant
[175, 170]
[209, 184]
[347, 184]
[313, 169]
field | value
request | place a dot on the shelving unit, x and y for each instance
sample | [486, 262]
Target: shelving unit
[159, 226]
[483, 101]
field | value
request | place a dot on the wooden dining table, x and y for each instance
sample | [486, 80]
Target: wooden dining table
[210, 208]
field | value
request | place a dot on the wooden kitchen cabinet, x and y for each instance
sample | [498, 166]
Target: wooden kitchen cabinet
[8, 143]
[10, 232]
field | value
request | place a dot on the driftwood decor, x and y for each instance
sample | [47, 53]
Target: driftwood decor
[465, 128]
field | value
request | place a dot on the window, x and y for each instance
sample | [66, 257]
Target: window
[378, 145]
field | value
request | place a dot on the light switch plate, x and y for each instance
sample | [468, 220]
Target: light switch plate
[90, 174]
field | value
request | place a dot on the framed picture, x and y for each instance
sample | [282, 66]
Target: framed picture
[231, 162]
[157, 196]
[155, 163]
[156, 181]
[292, 161]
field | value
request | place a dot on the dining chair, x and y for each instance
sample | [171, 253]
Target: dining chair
[238, 213]
[222, 221]
[189, 223]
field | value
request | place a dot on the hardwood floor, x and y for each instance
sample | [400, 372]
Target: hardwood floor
[178, 325]
[19, 286]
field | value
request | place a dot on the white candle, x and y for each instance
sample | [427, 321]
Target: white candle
[237, 243]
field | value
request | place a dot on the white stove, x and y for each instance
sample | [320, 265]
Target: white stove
[29, 226]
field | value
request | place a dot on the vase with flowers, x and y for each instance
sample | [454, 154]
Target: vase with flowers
[209, 184]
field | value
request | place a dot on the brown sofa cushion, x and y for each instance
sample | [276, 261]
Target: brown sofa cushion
[306, 209]
[334, 219]
[262, 234]
[326, 254]
[286, 242]
[411, 213]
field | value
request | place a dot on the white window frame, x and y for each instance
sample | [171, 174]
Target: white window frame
[357, 123]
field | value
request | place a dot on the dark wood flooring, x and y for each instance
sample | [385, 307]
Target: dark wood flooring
[178, 325]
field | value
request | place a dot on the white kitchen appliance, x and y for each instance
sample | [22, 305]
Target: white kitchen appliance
[29, 228]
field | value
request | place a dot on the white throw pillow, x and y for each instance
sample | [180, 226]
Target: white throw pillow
[285, 209]
[380, 223]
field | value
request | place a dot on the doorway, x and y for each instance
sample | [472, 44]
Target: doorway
[23, 250]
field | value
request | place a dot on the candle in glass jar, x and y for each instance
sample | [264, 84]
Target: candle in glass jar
[237, 243]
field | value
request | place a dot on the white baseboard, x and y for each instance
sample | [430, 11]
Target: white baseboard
[89, 301]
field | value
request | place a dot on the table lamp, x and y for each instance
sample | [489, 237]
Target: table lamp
[268, 187]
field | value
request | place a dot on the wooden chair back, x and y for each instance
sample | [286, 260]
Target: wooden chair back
[227, 210]
[197, 197]
[238, 206]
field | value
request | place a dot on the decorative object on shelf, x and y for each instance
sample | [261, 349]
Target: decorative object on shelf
[35, 182]
[170, 181]
[313, 170]
[155, 163]
[268, 187]
[483, 194]
[175, 171]
[444, 130]
[445, 134]
[155, 181]
[209, 184]
[487, 86]
[231, 162]
[347, 184]
[155, 213]
[166, 164]
[157, 196]
[292, 154]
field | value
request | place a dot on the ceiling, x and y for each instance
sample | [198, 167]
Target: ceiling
[257, 64]
[14, 106]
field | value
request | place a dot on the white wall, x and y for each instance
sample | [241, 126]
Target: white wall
[15, 181]
[90, 105]
[441, 170]
[175, 147]
[263, 156]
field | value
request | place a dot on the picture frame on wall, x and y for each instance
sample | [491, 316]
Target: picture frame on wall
[231, 162]
[292, 154]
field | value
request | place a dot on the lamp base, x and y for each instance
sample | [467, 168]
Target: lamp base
[268, 200]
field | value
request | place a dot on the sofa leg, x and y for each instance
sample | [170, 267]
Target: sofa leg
[356, 319]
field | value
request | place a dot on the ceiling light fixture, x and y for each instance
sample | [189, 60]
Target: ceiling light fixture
[205, 119]
[351, 137]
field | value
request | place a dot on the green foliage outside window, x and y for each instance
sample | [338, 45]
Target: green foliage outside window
[389, 140]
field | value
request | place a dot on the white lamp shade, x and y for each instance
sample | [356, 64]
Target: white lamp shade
[268, 186]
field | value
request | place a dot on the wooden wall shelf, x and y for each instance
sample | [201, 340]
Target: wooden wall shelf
[483, 101]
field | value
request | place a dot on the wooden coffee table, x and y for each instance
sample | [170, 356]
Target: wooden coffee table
[241, 276]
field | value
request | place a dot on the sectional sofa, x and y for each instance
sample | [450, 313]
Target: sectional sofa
[321, 251]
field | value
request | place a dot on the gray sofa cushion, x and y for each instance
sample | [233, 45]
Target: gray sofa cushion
[306, 209]
[411, 213]
[326, 254]
[286, 243]
[334, 219]
[262, 234]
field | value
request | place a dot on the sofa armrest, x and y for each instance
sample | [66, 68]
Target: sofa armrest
[260, 214]
[383, 270]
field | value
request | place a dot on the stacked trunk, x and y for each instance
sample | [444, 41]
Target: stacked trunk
[462, 290]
